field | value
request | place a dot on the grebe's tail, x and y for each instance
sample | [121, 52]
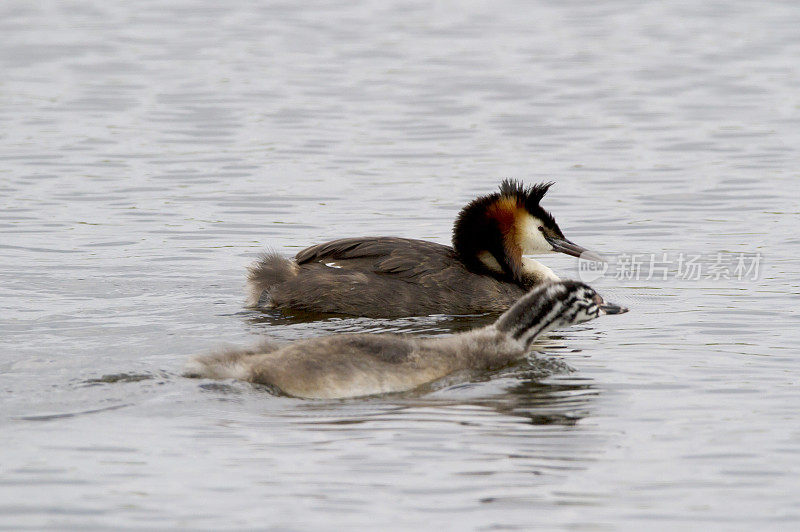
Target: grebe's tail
[269, 270]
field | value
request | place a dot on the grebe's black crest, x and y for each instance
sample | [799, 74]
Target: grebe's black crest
[530, 197]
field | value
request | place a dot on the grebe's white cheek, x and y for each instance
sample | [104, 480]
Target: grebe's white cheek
[533, 240]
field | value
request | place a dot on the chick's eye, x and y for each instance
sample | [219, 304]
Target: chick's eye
[541, 229]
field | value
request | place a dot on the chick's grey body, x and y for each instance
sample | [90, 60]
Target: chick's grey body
[366, 364]
[359, 364]
[384, 277]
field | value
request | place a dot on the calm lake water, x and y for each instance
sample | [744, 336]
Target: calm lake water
[150, 150]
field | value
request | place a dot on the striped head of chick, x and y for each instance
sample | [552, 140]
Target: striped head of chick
[551, 306]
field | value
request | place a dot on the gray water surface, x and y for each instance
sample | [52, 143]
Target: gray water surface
[149, 151]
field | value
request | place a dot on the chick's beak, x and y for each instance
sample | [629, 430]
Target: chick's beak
[562, 245]
[611, 308]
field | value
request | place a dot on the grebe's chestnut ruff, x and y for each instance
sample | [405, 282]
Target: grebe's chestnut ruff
[352, 365]
[383, 277]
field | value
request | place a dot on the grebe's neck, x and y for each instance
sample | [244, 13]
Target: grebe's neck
[535, 272]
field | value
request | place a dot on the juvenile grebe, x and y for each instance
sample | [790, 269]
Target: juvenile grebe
[352, 365]
[382, 277]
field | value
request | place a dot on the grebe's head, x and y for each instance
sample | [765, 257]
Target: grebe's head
[554, 305]
[497, 229]
[536, 229]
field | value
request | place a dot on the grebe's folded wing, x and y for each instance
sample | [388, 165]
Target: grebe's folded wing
[404, 257]
[335, 249]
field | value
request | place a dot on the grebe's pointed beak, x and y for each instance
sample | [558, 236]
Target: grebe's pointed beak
[611, 308]
[562, 245]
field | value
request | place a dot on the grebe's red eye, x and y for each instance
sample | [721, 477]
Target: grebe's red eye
[541, 229]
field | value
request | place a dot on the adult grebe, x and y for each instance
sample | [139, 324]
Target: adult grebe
[381, 277]
[352, 365]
